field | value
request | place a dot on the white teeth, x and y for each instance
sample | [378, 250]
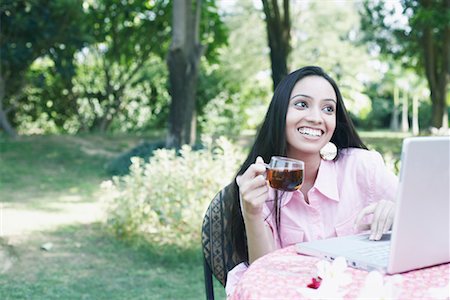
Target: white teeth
[310, 131]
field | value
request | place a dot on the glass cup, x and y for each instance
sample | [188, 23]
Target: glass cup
[285, 174]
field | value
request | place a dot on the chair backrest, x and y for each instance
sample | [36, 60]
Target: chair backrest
[217, 249]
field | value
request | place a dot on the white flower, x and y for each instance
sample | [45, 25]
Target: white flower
[440, 293]
[334, 273]
[334, 278]
[377, 287]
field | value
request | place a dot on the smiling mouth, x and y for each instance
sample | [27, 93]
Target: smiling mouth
[310, 131]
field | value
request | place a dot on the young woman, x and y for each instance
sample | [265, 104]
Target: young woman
[348, 193]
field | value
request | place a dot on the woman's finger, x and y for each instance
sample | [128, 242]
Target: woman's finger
[382, 219]
[253, 195]
[363, 227]
[255, 169]
[376, 220]
[252, 204]
[249, 185]
[379, 218]
[389, 219]
[365, 211]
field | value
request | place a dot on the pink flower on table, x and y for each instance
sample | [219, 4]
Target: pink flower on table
[315, 283]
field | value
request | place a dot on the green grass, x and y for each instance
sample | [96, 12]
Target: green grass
[85, 262]
[50, 164]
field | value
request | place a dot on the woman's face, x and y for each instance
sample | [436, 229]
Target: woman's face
[311, 116]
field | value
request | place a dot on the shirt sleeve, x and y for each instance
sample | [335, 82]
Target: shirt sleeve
[233, 277]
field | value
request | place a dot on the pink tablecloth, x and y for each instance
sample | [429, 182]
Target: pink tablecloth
[281, 274]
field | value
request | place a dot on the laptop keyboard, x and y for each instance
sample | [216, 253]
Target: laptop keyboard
[376, 252]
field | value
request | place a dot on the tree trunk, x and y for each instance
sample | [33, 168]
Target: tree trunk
[394, 116]
[436, 60]
[183, 86]
[177, 68]
[415, 115]
[5, 125]
[183, 62]
[439, 109]
[102, 123]
[105, 122]
[405, 123]
[4, 122]
[193, 129]
[279, 36]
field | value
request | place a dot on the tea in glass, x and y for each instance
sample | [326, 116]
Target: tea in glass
[285, 174]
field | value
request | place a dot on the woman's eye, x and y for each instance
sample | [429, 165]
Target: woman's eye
[301, 104]
[328, 109]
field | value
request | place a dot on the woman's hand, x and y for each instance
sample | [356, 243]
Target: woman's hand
[383, 218]
[253, 189]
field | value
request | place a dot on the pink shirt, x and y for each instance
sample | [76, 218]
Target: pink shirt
[342, 188]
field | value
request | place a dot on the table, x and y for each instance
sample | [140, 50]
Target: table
[284, 274]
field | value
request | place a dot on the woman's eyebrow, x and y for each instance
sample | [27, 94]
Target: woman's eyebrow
[300, 95]
[309, 97]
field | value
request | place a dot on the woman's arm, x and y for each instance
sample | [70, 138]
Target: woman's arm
[254, 192]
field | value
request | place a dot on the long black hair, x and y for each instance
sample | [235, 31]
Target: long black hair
[271, 140]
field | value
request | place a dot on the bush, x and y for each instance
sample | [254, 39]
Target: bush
[164, 199]
[121, 164]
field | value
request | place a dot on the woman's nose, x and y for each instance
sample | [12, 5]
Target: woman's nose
[314, 115]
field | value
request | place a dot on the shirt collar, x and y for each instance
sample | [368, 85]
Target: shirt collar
[326, 181]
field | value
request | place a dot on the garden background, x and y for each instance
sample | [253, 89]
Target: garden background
[117, 116]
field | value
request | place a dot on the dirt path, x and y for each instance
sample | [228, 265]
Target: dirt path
[33, 207]
[18, 222]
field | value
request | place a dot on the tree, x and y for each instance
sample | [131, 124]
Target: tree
[30, 29]
[183, 62]
[419, 38]
[278, 24]
[192, 23]
[125, 36]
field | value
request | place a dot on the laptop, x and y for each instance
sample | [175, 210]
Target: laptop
[420, 235]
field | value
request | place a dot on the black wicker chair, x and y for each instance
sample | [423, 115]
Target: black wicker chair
[218, 257]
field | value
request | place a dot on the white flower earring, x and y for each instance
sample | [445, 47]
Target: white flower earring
[329, 151]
